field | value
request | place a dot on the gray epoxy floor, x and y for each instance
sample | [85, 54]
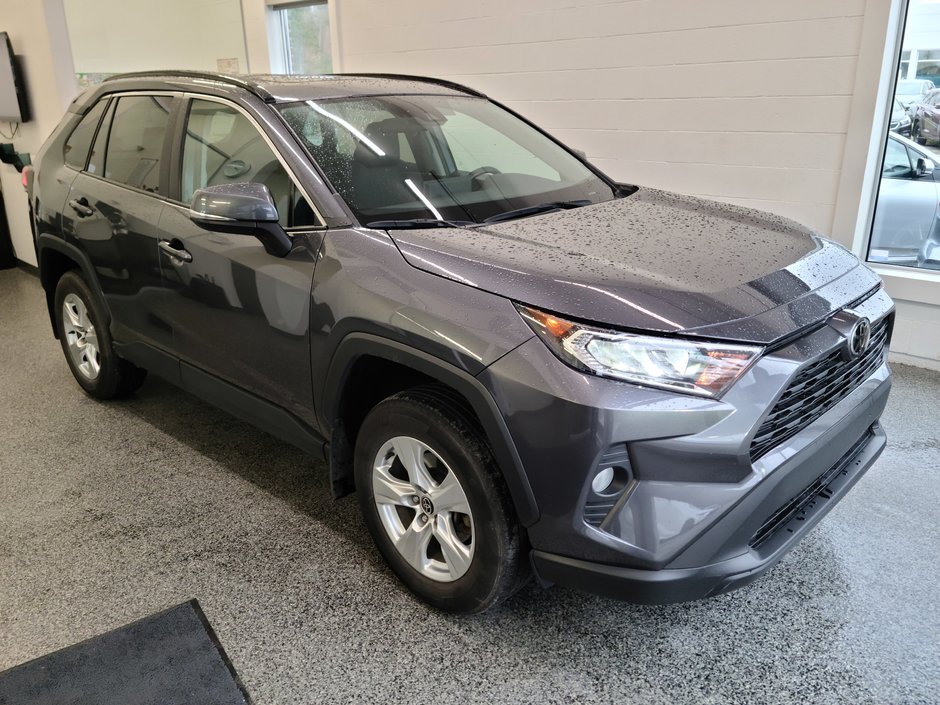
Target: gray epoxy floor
[110, 512]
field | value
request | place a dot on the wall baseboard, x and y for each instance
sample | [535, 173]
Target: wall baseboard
[914, 360]
[27, 267]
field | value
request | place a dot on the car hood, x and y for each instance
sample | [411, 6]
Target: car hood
[654, 261]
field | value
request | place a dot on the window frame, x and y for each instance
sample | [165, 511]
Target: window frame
[178, 142]
[104, 129]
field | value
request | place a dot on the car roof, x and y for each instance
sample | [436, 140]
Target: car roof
[274, 88]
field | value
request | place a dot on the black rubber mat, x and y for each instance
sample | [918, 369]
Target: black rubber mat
[170, 658]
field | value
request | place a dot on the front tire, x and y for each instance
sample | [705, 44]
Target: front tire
[436, 504]
[86, 342]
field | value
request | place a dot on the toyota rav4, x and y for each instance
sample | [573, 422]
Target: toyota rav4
[521, 366]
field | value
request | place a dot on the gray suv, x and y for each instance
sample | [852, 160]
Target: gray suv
[521, 366]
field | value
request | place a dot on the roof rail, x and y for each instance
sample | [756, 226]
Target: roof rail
[424, 79]
[247, 84]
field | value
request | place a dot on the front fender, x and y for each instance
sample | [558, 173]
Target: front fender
[356, 345]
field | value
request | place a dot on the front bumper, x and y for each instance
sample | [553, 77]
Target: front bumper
[700, 515]
[683, 584]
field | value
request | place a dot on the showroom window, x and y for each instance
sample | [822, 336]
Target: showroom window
[906, 225]
[223, 147]
[135, 145]
[303, 37]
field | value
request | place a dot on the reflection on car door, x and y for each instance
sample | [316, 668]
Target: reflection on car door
[240, 314]
[906, 210]
[113, 210]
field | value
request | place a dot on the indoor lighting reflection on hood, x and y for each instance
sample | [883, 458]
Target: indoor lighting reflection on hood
[629, 303]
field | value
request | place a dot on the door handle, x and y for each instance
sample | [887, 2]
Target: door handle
[174, 248]
[80, 206]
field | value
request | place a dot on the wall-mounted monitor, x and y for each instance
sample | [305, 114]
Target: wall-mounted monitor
[13, 104]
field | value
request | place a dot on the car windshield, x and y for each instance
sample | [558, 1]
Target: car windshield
[422, 158]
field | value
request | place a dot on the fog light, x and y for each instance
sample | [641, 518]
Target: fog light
[603, 480]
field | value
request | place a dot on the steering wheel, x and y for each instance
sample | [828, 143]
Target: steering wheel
[476, 176]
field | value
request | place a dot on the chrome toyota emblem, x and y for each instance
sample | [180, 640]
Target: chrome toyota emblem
[855, 328]
[426, 505]
[859, 337]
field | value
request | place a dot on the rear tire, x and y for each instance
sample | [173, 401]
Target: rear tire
[459, 547]
[86, 342]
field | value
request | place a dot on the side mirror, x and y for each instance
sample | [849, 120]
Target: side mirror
[246, 209]
[924, 167]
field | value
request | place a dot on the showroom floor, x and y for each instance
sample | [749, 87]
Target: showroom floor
[110, 512]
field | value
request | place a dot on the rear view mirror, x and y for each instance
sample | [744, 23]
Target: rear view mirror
[924, 167]
[246, 209]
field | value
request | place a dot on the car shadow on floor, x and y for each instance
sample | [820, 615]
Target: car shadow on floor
[270, 464]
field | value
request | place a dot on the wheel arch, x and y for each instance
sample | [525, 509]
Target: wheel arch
[56, 257]
[360, 375]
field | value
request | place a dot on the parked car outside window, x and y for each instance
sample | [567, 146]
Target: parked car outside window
[900, 119]
[910, 91]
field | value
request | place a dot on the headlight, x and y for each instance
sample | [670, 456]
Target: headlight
[689, 366]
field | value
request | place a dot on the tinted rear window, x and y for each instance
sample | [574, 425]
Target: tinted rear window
[135, 145]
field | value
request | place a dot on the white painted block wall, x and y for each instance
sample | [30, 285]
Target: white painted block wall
[141, 35]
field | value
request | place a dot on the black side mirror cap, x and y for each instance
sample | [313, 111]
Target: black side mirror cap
[246, 209]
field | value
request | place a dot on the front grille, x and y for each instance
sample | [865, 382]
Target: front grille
[798, 508]
[596, 512]
[817, 389]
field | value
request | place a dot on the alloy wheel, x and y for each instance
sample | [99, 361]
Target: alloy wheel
[81, 337]
[423, 509]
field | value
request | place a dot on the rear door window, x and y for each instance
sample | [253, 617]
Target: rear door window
[76, 146]
[135, 144]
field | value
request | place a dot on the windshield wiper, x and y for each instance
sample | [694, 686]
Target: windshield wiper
[418, 223]
[536, 209]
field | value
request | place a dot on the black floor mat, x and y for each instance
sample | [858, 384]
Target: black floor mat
[170, 658]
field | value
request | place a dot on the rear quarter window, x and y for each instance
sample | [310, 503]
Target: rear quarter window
[78, 143]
